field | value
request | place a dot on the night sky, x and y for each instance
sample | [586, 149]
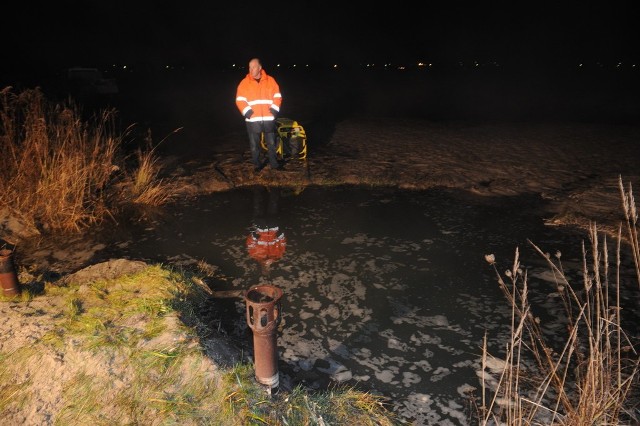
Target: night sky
[209, 34]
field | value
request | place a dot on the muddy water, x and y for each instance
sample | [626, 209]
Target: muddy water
[385, 290]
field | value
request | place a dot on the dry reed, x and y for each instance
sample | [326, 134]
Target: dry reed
[58, 171]
[593, 378]
[144, 184]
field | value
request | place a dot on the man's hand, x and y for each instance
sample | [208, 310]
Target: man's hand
[248, 114]
[274, 112]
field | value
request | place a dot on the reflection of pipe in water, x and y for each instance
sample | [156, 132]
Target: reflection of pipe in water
[266, 246]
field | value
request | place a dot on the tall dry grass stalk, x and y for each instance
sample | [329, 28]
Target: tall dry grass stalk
[592, 378]
[57, 170]
[144, 185]
[631, 218]
[54, 166]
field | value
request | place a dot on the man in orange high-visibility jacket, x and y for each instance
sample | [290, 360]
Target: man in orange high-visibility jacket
[258, 99]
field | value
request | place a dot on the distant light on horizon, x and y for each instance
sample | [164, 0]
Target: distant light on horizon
[470, 65]
[619, 66]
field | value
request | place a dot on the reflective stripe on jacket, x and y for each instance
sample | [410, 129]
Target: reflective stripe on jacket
[259, 96]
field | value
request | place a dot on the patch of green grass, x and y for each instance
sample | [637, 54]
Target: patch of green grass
[129, 357]
[82, 395]
[15, 392]
[25, 295]
[338, 406]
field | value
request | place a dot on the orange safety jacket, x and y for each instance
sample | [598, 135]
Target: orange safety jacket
[258, 96]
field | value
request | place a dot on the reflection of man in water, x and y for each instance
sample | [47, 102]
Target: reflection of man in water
[265, 205]
[265, 242]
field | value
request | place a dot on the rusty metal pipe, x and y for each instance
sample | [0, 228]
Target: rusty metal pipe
[8, 275]
[263, 317]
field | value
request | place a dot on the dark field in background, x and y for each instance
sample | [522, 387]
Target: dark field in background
[201, 103]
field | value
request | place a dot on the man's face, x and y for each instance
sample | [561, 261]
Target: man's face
[254, 69]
